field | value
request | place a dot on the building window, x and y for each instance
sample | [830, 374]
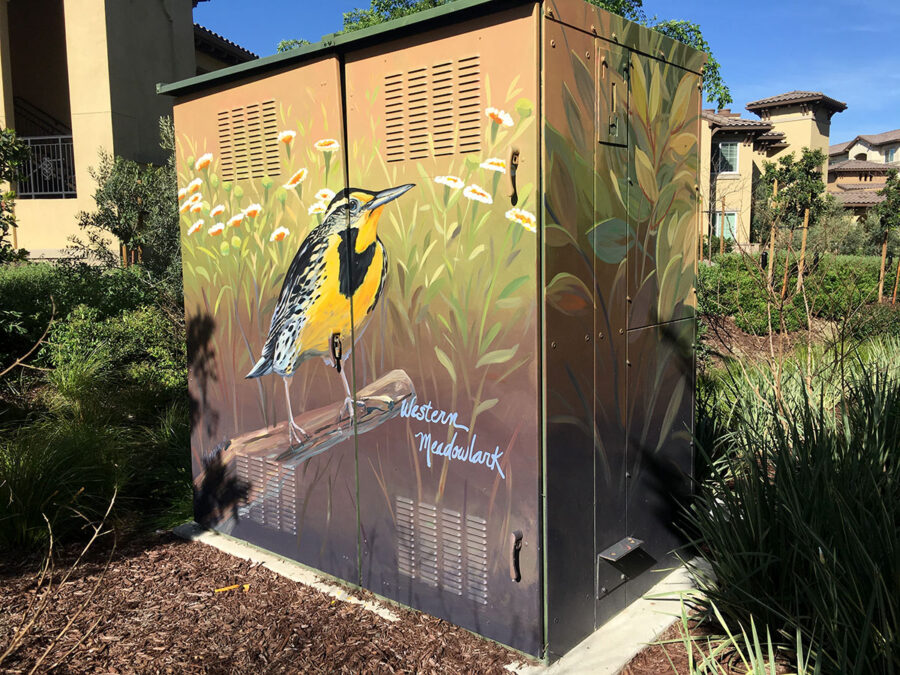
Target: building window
[728, 157]
[889, 154]
[730, 224]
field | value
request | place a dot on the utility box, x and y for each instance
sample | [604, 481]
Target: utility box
[486, 215]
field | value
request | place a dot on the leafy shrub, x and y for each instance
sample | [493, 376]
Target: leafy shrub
[799, 520]
[735, 285]
[138, 349]
[876, 320]
[26, 292]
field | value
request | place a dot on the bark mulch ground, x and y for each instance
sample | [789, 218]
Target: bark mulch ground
[158, 613]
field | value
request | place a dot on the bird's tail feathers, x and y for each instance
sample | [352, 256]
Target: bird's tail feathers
[263, 367]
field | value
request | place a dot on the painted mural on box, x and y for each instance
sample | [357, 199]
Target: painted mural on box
[621, 127]
[384, 330]
[456, 116]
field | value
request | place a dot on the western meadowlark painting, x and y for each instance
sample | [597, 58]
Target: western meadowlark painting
[342, 261]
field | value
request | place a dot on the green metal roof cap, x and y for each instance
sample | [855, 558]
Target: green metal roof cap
[341, 42]
[453, 12]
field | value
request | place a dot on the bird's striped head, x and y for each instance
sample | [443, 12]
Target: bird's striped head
[362, 209]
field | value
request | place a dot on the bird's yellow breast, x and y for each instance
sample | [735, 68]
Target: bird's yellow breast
[330, 312]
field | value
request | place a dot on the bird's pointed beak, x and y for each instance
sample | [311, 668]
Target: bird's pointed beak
[388, 195]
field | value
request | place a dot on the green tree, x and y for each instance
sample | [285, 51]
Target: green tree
[13, 155]
[137, 204]
[888, 213]
[288, 45]
[689, 33]
[800, 187]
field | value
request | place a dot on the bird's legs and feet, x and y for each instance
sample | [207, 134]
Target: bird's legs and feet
[295, 431]
[350, 403]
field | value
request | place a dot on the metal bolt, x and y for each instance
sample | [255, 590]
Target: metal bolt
[550, 13]
[627, 363]
[621, 331]
[615, 37]
[553, 345]
[603, 590]
[628, 298]
[622, 577]
[552, 43]
[627, 474]
[600, 335]
[593, 28]
[587, 338]
[587, 55]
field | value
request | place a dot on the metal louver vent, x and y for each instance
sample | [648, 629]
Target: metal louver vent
[272, 492]
[433, 111]
[248, 142]
[442, 548]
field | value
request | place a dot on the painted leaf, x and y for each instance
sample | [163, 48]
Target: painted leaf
[584, 79]
[497, 356]
[645, 174]
[445, 361]
[568, 294]
[512, 286]
[683, 142]
[611, 240]
[484, 406]
[573, 118]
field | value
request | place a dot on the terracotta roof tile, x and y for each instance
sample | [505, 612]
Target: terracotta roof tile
[838, 148]
[796, 97]
[882, 138]
[850, 187]
[731, 120]
[860, 165]
[859, 198]
[203, 35]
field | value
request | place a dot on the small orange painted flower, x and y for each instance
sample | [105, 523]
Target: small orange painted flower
[197, 207]
[203, 161]
[494, 164]
[327, 145]
[524, 218]
[235, 220]
[195, 198]
[287, 137]
[296, 179]
[499, 116]
[324, 195]
[194, 185]
[450, 181]
[216, 229]
[279, 234]
[318, 207]
[182, 193]
[217, 211]
[196, 226]
[478, 194]
[184, 208]
[253, 210]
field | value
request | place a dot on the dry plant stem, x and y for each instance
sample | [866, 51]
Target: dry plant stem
[881, 273]
[19, 637]
[18, 361]
[802, 252]
[771, 270]
[29, 617]
[722, 230]
[896, 283]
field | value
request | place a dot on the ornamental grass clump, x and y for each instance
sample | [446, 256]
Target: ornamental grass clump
[800, 519]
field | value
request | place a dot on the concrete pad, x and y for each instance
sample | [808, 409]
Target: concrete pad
[286, 568]
[609, 649]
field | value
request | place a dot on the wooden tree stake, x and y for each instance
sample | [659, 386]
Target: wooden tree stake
[722, 230]
[896, 282]
[772, 244]
[802, 250]
[883, 260]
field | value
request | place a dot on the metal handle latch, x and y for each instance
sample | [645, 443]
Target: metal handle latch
[337, 350]
[515, 540]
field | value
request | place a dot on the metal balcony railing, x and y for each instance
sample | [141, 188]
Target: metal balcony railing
[50, 172]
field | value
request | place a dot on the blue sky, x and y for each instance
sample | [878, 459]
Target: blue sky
[846, 49]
